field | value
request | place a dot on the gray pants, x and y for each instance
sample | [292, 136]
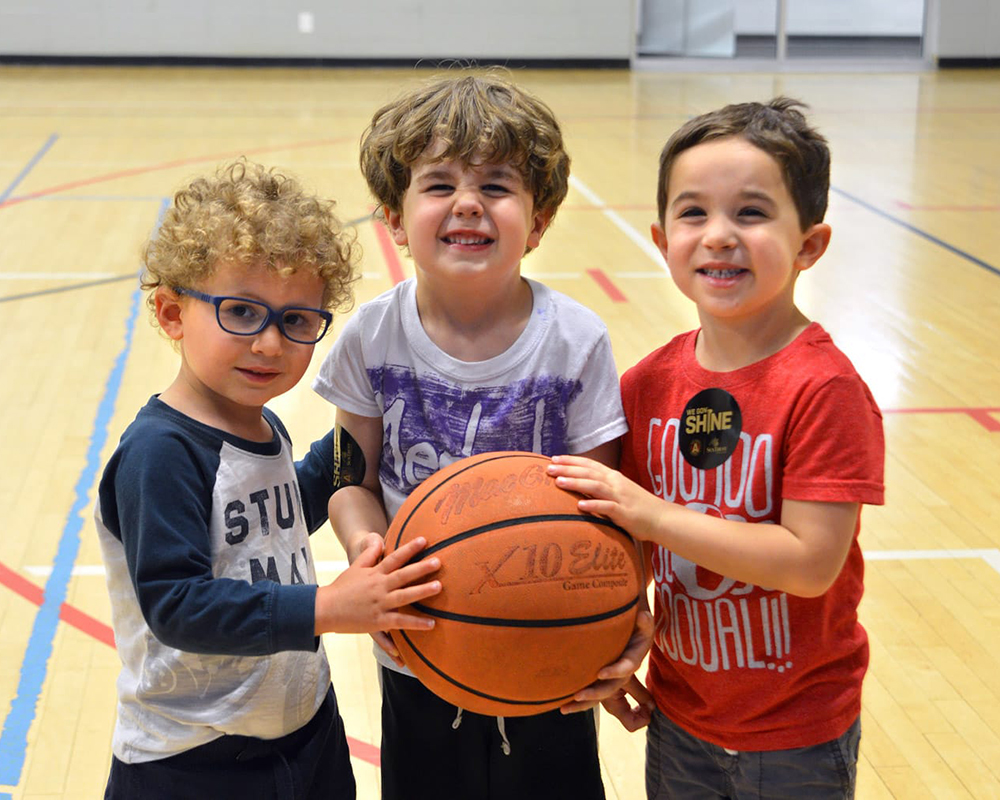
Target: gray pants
[680, 766]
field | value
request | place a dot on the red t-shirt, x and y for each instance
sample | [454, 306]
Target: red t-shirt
[739, 665]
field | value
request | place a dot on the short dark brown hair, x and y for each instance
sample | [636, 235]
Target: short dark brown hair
[780, 130]
[479, 118]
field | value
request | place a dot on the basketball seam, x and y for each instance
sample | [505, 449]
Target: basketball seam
[510, 523]
[464, 469]
[506, 622]
[484, 695]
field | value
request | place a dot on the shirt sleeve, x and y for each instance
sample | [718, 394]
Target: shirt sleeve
[596, 414]
[315, 476]
[835, 446]
[162, 501]
[343, 376]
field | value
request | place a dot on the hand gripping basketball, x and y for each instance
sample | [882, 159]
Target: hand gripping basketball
[536, 596]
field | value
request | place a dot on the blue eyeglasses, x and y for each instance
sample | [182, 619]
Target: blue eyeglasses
[243, 317]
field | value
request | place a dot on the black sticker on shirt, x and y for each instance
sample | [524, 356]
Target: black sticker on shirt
[710, 428]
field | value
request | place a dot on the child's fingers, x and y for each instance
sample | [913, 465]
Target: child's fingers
[635, 651]
[600, 508]
[414, 572]
[383, 640]
[573, 461]
[369, 556]
[398, 558]
[413, 594]
[410, 622]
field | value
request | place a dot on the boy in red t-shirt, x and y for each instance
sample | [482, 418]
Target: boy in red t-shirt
[756, 417]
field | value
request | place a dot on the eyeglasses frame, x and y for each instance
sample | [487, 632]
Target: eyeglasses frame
[273, 315]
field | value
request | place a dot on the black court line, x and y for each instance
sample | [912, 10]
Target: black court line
[72, 287]
[28, 167]
[914, 229]
[114, 279]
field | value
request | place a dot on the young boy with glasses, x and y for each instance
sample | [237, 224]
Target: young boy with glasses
[204, 519]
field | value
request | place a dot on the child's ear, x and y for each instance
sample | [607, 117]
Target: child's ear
[394, 222]
[168, 312]
[659, 238]
[814, 243]
[539, 224]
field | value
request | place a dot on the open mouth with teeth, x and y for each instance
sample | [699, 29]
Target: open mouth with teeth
[466, 239]
[732, 272]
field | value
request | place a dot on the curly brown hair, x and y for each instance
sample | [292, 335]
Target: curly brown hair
[780, 130]
[254, 215]
[479, 118]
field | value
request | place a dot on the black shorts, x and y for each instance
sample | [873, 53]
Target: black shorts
[426, 755]
[312, 762]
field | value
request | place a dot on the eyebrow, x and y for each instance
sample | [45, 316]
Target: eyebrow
[492, 172]
[748, 194]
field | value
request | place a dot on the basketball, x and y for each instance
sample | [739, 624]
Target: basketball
[536, 596]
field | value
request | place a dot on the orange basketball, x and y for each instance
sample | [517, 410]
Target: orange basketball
[536, 595]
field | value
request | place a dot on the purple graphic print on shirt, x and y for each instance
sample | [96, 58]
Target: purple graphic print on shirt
[428, 422]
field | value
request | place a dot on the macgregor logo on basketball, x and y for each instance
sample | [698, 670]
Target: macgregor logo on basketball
[460, 494]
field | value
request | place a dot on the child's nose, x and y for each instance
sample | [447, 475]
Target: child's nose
[468, 203]
[718, 233]
[268, 341]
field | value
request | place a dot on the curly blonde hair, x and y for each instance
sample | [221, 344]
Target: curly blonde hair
[478, 118]
[253, 215]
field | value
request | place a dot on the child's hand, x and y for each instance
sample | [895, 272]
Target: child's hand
[609, 494]
[631, 717]
[366, 596]
[612, 678]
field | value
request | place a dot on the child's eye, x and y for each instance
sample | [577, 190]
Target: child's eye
[691, 211]
[439, 188]
[495, 189]
[242, 311]
[752, 211]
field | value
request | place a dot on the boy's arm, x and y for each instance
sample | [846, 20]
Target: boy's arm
[357, 511]
[801, 555]
[358, 517]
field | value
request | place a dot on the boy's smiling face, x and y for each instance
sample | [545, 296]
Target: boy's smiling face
[466, 219]
[226, 378]
[731, 235]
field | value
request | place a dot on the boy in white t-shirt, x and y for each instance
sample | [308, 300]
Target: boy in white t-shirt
[470, 357]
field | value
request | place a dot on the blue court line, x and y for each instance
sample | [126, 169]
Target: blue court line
[913, 229]
[34, 666]
[28, 167]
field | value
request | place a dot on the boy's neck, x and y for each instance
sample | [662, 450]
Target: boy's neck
[727, 345]
[243, 421]
[474, 321]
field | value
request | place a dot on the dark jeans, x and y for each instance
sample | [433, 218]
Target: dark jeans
[426, 756]
[680, 766]
[311, 763]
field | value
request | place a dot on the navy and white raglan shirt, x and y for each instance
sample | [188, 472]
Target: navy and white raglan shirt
[554, 390]
[205, 539]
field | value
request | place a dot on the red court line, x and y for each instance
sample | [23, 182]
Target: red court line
[389, 253]
[984, 416]
[607, 285]
[103, 633]
[67, 613]
[127, 173]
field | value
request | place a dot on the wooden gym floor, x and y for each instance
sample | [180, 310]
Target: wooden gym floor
[910, 289]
